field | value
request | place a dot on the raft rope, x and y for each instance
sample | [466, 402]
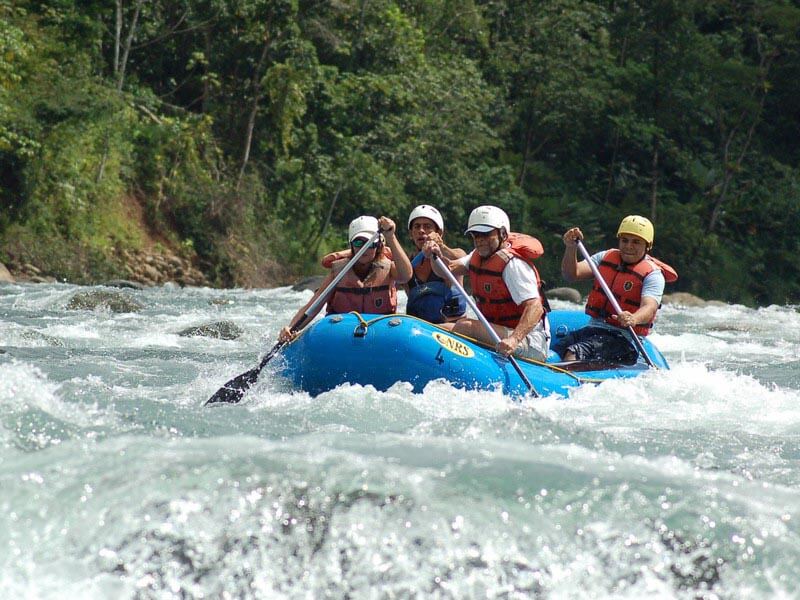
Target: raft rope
[363, 325]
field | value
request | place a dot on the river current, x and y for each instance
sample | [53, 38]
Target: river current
[116, 482]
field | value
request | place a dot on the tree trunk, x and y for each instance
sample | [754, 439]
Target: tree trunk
[206, 85]
[255, 85]
[117, 37]
[126, 50]
[654, 184]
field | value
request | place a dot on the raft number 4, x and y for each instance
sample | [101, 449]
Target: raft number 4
[453, 345]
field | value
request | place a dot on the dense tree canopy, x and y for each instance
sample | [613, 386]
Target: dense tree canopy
[259, 128]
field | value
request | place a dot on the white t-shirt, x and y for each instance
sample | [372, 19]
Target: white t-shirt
[520, 279]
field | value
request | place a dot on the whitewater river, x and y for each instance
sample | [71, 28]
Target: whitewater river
[116, 482]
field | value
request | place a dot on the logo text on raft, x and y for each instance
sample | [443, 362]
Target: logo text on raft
[453, 345]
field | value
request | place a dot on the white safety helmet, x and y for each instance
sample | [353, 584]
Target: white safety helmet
[362, 227]
[486, 218]
[427, 211]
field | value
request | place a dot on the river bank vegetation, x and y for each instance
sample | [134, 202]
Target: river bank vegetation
[245, 134]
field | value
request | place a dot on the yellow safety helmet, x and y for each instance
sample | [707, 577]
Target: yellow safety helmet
[638, 226]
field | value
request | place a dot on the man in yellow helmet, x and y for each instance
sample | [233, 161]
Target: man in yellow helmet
[635, 278]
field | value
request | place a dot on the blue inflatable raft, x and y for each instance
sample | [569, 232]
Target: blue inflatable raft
[380, 350]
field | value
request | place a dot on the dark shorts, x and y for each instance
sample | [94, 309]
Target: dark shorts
[598, 343]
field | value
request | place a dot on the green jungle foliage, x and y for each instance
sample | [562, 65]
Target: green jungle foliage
[252, 131]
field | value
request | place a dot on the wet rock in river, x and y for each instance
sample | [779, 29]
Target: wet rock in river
[565, 293]
[221, 330]
[308, 283]
[124, 283]
[221, 301]
[683, 299]
[116, 302]
[38, 337]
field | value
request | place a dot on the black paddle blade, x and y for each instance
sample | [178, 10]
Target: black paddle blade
[233, 391]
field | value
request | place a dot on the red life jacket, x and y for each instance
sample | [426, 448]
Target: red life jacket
[376, 293]
[626, 282]
[486, 279]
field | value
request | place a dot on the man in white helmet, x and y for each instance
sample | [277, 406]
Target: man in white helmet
[371, 284]
[430, 297]
[635, 278]
[505, 284]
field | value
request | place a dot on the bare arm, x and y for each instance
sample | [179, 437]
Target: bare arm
[404, 270]
[453, 264]
[644, 314]
[571, 269]
[531, 315]
[453, 253]
[447, 252]
[286, 334]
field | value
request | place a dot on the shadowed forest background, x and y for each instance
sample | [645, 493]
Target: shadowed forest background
[245, 134]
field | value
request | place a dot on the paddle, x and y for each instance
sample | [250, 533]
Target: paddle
[613, 301]
[233, 391]
[492, 333]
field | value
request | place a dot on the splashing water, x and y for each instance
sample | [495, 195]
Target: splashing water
[116, 482]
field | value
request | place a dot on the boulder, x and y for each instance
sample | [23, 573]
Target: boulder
[221, 301]
[124, 283]
[221, 330]
[308, 283]
[36, 336]
[150, 272]
[683, 299]
[103, 300]
[30, 269]
[565, 293]
[5, 275]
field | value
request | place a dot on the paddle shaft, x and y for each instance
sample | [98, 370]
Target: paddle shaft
[489, 329]
[233, 391]
[612, 299]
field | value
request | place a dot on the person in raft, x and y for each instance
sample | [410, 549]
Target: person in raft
[430, 297]
[371, 284]
[637, 281]
[505, 284]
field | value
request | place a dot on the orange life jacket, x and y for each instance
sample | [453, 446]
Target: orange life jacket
[376, 293]
[626, 282]
[486, 279]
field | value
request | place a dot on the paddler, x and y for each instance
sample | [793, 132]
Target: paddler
[430, 297]
[371, 284]
[505, 284]
[635, 278]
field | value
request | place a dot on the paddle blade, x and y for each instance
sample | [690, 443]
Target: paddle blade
[233, 391]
